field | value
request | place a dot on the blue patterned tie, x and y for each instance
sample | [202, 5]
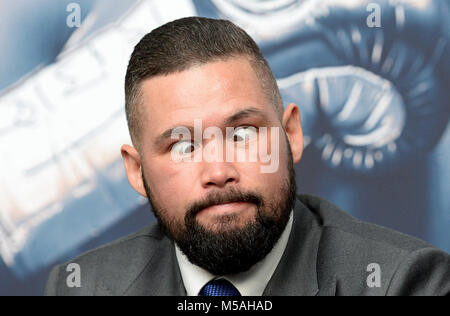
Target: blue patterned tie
[219, 287]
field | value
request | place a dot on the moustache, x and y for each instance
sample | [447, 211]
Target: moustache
[223, 198]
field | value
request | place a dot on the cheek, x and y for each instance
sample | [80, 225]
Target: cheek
[170, 184]
[265, 183]
[277, 169]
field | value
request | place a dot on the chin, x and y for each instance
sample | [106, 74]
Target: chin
[225, 223]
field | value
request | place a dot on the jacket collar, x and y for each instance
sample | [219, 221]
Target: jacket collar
[161, 276]
[152, 271]
[296, 273]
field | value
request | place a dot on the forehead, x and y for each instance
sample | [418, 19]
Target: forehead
[210, 92]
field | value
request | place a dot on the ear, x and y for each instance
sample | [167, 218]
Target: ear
[132, 162]
[293, 127]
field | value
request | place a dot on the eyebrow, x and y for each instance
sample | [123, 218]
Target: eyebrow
[239, 115]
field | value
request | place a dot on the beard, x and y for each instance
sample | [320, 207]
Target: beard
[226, 250]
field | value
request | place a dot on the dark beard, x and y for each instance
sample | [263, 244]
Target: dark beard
[234, 250]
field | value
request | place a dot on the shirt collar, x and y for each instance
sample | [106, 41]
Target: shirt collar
[249, 283]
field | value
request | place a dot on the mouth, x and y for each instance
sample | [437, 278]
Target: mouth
[226, 208]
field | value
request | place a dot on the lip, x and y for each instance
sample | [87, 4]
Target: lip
[226, 208]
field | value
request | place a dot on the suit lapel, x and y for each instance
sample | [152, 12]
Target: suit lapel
[296, 273]
[161, 276]
[149, 269]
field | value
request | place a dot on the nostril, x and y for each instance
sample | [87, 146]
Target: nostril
[229, 180]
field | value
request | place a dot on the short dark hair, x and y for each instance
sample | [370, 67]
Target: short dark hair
[183, 43]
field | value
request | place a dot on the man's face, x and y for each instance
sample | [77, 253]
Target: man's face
[222, 208]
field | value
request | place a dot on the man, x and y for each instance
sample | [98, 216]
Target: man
[234, 225]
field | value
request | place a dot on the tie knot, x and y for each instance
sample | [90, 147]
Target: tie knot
[219, 287]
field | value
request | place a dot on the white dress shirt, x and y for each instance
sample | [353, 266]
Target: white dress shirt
[249, 283]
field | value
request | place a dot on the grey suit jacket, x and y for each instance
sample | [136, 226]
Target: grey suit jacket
[328, 253]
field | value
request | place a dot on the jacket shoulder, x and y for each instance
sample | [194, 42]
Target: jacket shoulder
[128, 254]
[351, 251]
[339, 223]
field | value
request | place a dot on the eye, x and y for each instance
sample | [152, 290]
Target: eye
[244, 133]
[183, 148]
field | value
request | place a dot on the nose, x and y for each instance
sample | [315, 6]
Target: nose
[218, 174]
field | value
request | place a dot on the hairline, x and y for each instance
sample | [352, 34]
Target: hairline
[261, 68]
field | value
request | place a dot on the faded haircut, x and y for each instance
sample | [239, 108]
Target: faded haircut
[188, 42]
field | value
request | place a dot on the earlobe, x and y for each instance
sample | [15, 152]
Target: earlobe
[293, 128]
[133, 168]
